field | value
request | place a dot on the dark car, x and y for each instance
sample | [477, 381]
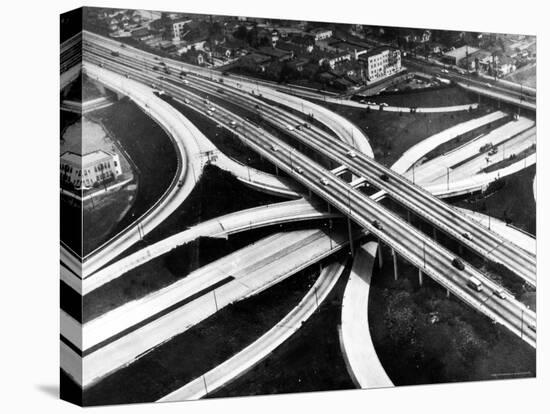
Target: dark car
[115, 54]
[385, 177]
[377, 224]
[458, 263]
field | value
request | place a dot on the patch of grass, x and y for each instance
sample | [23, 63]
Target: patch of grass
[202, 347]
[391, 134]
[424, 98]
[513, 202]
[151, 151]
[214, 195]
[310, 360]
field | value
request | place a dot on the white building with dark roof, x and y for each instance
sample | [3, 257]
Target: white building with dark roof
[87, 170]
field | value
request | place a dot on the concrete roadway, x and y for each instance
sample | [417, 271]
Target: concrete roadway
[223, 226]
[268, 263]
[519, 132]
[415, 153]
[362, 361]
[361, 209]
[246, 359]
[190, 141]
[188, 173]
[402, 190]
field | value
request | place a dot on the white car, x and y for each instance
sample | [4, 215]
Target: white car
[489, 85]
[298, 169]
[290, 127]
[233, 124]
[324, 181]
[351, 154]
[209, 113]
[212, 108]
[501, 293]
[467, 235]
[444, 71]
[185, 82]
[274, 147]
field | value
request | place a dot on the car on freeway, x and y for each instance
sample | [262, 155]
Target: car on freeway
[324, 181]
[233, 124]
[501, 294]
[384, 104]
[306, 125]
[384, 177]
[122, 45]
[299, 169]
[444, 71]
[155, 68]
[376, 224]
[183, 73]
[115, 53]
[101, 65]
[458, 263]
[127, 75]
[493, 151]
[351, 154]
[290, 127]
[475, 284]
[299, 127]
[186, 100]
[467, 235]
[185, 82]
[212, 108]
[362, 101]
[209, 112]
[532, 327]
[489, 85]
[274, 147]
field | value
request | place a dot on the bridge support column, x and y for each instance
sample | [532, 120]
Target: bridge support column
[448, 293]
[380, 263]
[394, 264]
[100, 87]
[276, 171]
[435, 234]
[420, 277]
[460, 249]
[408, 216]
[350, 237]
[328, 208]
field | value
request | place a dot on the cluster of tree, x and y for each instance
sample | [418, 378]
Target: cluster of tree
[429, 338]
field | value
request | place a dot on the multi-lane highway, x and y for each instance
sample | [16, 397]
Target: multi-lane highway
[361, 209]
[215, 96]
[453, 222]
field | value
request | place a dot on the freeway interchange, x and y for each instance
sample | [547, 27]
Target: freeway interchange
[214, 95]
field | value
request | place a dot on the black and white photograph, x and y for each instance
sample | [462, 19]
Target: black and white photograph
[256, 206]
[274, 207]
